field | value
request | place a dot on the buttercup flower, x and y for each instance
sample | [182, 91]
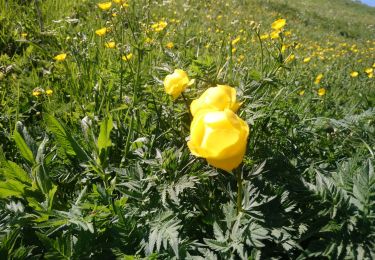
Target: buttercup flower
[322, 91]
[127, 57]
[37, 92]
[105, 6]
[169, 45]
[278, 24]
[176, 83]
[354, 74]
[101, 31]
[220, 137]
[110, 45]
[60, 57]
[290, 58]
[216, 99]
[49, 92]
[318, 78]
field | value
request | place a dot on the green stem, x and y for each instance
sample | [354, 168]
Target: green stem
[239, 190]
[187, 106]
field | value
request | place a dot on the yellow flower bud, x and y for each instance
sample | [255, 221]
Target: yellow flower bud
[220, 137]
[176, 83]
[216, 98]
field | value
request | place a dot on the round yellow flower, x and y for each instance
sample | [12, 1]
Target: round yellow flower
[60, 57]
[322, 91]
[176, 83]
[354, 74]
[105, 6]
[169, 45]
[307, 59]
[110, 45]
[101, 31]
[216, 99]
[278, 24]
[37, 92]
[220, 137]
[318, 78]
[49, 92]
[369, 70]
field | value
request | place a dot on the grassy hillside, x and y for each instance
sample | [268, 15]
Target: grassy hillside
[94, 154]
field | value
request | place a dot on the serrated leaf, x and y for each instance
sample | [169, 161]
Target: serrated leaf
[23, 148]
[11, 188]
[71, 147]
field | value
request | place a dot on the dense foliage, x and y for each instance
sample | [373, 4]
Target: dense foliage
[94, 160]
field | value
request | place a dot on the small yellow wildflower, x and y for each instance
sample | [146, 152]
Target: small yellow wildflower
[370, 75]
[37, 92]
[278, 24]
[264, 36]
[158, 27]
[101, 32]
[283, 48]
[322, 91]
[23, 35]
[318, 79]
[301, 93]
[110, 45]
[369, 70]
[60, 57]
[354, 74]
[49, 92]
[127, 57]
[235, 41]
[290, 58]
[307, 59]
[169, 45]
[275, 34]
[234, 50]
[105, 5]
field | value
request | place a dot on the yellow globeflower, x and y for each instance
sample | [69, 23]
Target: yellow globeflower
[354, 74]
[101, 31]
[318, 79]
[322, 91]
[110, 45]
[278, 24]
[60, 57]
[176, 83]
[216, 98]
[105, 6]
[220, 137]
[49, 92]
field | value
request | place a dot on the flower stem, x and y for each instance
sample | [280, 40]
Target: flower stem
[187, 106]
[239, 190]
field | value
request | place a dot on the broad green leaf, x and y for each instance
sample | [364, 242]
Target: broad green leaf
[104, 140]
[23, 148]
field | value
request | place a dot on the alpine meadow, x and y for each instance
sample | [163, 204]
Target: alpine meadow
[187, 129]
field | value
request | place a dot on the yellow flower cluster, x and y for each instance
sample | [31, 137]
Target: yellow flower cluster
[158, 27]
[216, 132]
[37, 92]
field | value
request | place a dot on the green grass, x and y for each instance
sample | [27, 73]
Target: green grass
[101, 169]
